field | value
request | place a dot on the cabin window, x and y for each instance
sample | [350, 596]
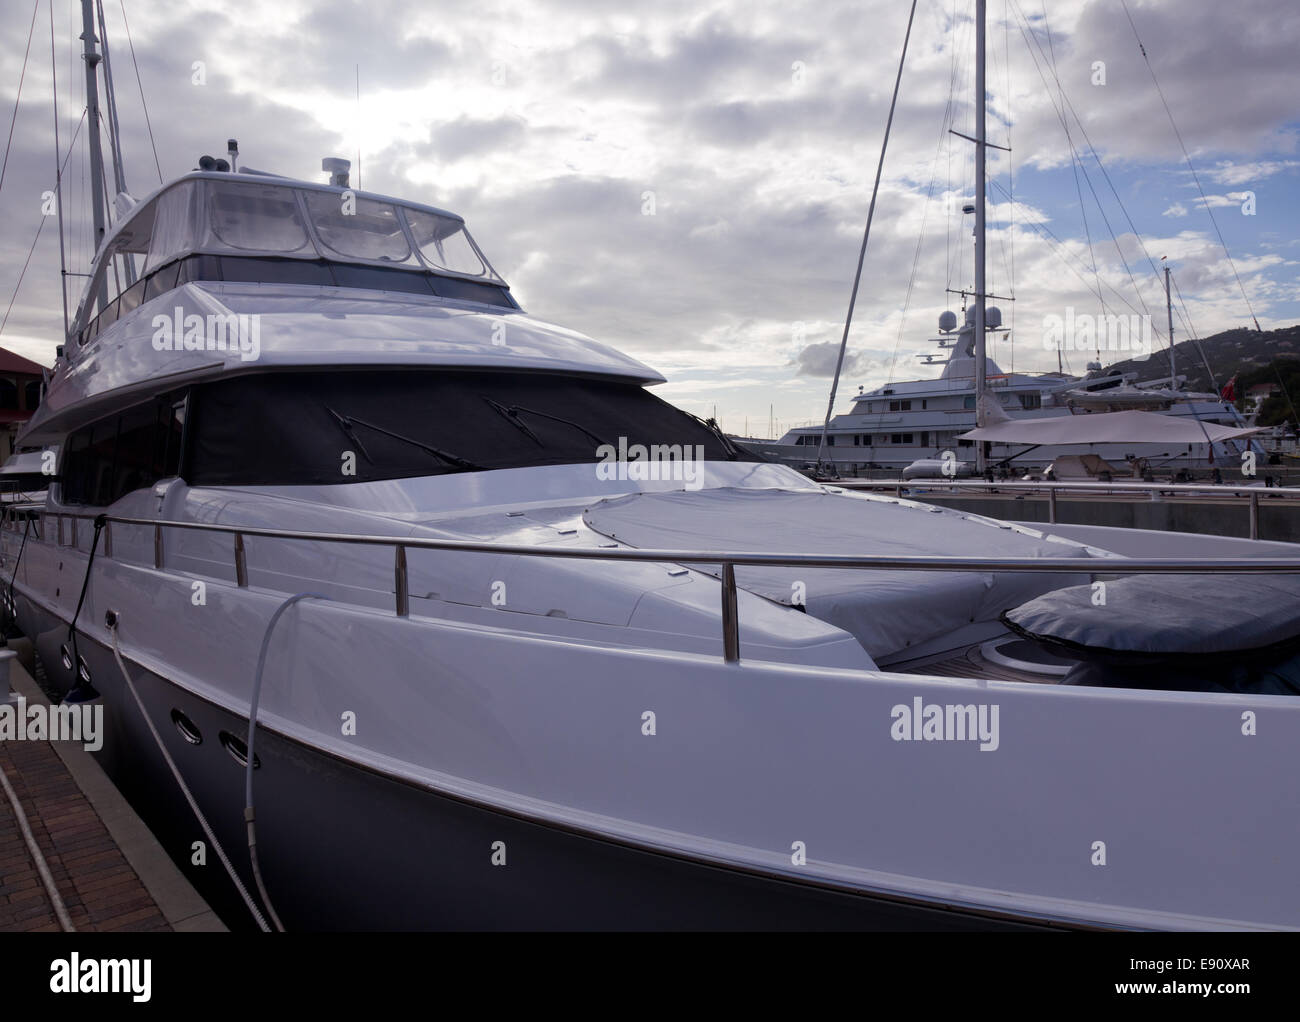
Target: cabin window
[900, 406]
[968, 401]
[900, 438]
[1031, 401]
[123, 453]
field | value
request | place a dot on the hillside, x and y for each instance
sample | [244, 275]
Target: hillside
[1241, 351]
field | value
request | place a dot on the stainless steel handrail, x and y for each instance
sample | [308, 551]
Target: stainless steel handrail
[1089, 486]
[1191, 492]
[727, 560]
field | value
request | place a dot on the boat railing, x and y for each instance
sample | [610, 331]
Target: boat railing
[1248, 494]
[727, 561]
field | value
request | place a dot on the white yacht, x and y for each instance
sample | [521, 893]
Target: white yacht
[414, 611]
[898, 424]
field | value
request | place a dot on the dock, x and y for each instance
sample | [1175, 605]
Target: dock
[95, 866]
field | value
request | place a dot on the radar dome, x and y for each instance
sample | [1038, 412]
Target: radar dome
[992, 317]
[948, 321]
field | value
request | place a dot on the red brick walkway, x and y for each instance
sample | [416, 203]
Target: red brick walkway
[98, 886]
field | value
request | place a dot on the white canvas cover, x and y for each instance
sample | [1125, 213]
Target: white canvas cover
[887, 611]
[1105, 428]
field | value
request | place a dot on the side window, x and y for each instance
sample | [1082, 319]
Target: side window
[125, 453]
[8, 394]
[32, 394]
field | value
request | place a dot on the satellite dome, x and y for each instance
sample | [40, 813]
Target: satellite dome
[992, 317]
[970, 314]
[947, 321]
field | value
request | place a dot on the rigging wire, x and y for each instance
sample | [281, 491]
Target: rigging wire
[18, 99]
[143, 102]
[1190, 330]
[1188, 158]
[39, 227]
[1074, 165]
[866, 234]
[1011, 180]
[58, 193]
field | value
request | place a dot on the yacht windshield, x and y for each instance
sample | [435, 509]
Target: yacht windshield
[363, 229]
[293, 429]
[444, 245]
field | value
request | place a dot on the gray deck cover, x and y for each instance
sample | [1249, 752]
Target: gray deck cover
[887, 611]
[1169, 614]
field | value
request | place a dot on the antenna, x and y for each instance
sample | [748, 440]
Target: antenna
[358, 126]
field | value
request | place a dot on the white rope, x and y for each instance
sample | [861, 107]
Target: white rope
[42, 867]
[203, 822]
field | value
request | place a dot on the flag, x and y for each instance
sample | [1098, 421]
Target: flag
[1229, 392]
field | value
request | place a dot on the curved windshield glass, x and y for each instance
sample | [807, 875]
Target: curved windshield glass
[257, 218]
[444, 245]
[356, 228]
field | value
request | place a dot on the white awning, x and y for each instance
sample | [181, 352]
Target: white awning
[1133, 427]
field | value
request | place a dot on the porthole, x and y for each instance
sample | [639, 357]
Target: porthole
[238, 750]
[188, 729]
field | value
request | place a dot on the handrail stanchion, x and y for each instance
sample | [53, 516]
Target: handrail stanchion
[400, 583]
[241, 562]
[1254, 514]
[1051, 504]
[730, 615]
[157, 547]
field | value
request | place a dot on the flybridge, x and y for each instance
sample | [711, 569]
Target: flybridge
[214, 225]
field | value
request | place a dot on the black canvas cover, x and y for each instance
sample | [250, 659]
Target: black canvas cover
[295, 428]
[1187, 633]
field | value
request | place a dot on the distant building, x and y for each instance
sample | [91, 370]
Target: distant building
[1257, 395]
[20, 395]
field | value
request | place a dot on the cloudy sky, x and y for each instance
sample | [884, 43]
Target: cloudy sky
[690, 183]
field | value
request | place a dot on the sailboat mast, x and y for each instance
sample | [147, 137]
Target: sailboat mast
[981, 449]
[90, 55]
[1169, 311]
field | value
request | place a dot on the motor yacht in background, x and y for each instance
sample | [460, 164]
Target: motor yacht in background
[898, 424]
[482, 634]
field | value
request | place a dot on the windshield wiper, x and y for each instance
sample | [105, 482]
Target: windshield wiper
[512, 413]
[733, 452]
[346, 423]
[511, 417]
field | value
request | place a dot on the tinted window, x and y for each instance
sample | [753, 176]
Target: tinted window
[131, 297]
[276, 271]
[162, 281]
[128, 452]
[471, 291]
[380, 279]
